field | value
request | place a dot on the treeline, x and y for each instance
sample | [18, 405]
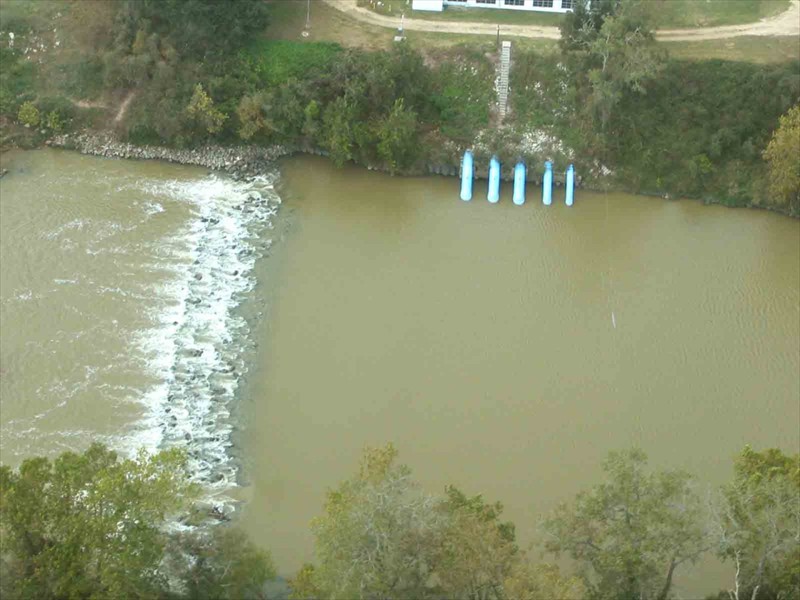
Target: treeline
[188, 84]
[609, 100]
[667, 127]
[93, 526]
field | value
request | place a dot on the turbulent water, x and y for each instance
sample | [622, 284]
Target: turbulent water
[118, 294]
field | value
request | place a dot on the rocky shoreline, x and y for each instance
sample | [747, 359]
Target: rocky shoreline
[238, 161]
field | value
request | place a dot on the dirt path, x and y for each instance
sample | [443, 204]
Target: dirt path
[784, 24]
[124, 106]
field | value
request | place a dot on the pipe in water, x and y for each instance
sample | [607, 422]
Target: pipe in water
[466, 176]
[519, 184]
[547, 184]
[494, 181]
[570, 185]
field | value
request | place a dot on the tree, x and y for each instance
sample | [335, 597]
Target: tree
[631, 532]
[612, 48]
[251, 116]
[339, 137]
[199, 27]
[756, 523]
[782, 158]
[93, 526]
[377, 535]
[582, 24]
[87, 525]
[220, 564]
[381, 537]
[201, 109]
[397, 135]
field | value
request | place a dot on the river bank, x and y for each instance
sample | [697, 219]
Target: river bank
[243, 162]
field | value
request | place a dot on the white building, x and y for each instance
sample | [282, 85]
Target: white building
[559, 6]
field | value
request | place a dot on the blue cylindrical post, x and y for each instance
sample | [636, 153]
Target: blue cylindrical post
[466, 176]
[519, 184]
[570, 185]
[547, 184]
[494, 181]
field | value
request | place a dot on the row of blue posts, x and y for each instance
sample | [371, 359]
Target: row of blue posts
[520, 171]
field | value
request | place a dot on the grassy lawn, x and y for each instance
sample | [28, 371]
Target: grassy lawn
[669, 13]
[288, 19]
[760, 50]
[709, 13]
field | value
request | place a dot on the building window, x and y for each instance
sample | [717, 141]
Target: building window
[514, 2]
[567, 4]
[543, 4]
[486, 1]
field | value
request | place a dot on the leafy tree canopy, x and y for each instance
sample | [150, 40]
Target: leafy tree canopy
[782, 157]
[93, 526]
[632, 531]
[380, 536]
[87, 525]
[757, 525]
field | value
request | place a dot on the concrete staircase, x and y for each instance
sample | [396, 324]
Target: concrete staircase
[502, 92]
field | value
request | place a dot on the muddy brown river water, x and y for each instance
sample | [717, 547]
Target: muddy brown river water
[502, 349]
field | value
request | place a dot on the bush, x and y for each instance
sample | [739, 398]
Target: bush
[28, 114]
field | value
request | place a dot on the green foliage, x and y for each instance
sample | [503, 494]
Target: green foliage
[700, 129]
[202, 28]
[381, 537]
[201, 108]
[757, 525]
[339, 137]
[632, 531]
[463, 92]
[220, 565]
[612, 52]
[87, 525]
[54, 122]
[16, 81]
[398, 137]
[251, 117]
[311, 122]
[276, 61]
[93, 526]
[782, 157]
[28, 114]
[376, 535]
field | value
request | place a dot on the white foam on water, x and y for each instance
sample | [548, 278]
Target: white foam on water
[194, 350]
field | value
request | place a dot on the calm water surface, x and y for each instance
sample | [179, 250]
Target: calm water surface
[480, 340]
[503, 349]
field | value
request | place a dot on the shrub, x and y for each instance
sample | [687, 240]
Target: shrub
[28, 114]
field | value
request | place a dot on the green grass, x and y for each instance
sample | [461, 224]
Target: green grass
[274, 62]
[710, 13]
[752, 49]
[288, 19]
[464, 90]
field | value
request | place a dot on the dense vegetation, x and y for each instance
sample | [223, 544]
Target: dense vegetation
[93, 526]
[609, 100]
